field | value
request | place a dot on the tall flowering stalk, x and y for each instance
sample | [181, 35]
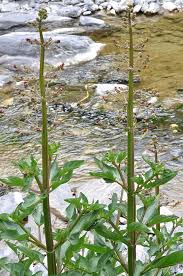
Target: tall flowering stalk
[130, 154]
[45, 157]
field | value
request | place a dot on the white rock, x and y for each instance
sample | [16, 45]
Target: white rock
[20, 85]
[104, 5]
[10, 201]
[112, 12]
[152, 100]
[154, 7]
[85, 13]
[9, 7]
[4, 79]
[169, 6]
[137, 8]
[102, 89]
[90, 21]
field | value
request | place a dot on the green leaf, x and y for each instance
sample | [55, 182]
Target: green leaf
[65, 174]
[14, 181]
[18, 269]
[12, 246]
[13, 235]
[165, 176]
[32, 254]
[97, 248]
[53, 148]
[85, 222]
[109, 269]
[108, 173]
[26, 208]
[110, 235]
[115, 157]
[3, 262]
[11, 231]
[166, 261]
[72, 165]
[162, 219]
[28, 167]
[138, 227]
[139, 268]
[103, 260]
[38, 215]
[151, 211]
[54, 171]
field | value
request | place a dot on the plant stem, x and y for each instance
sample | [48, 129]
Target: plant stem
[157, 190]
[130, 171]
[69, 231]
[32, 238]
[45, 163]
[120, 259]
[119, 211]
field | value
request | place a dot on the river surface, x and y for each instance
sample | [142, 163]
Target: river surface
[84, 138]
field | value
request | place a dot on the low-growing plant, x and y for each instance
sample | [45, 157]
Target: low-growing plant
[99, 239]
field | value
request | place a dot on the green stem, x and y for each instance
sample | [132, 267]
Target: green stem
[33, 239]
[120, 259]
[157, 190]
[130, 171]
[119, 211]
[45, 163]
[69, 231]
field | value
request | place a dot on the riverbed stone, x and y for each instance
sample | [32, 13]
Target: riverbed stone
[68, 49]
[90, 21]
[103, 89]
[170, 6]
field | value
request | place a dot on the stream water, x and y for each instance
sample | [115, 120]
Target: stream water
[84, 137]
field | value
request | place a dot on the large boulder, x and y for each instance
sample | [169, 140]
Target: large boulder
[67, 49]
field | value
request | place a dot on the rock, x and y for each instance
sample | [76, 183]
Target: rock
[169, 6]
[5, 79]
[152, 100]
[8, 7]
[153, 8]
[90, 21]
[87, 13]
[14, 198]
[68, 49]
[70, 11]
[112, 12]
[137, 8]
[14, 19]
[103, 89]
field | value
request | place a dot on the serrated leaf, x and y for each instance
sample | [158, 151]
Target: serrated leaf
[65, 174]
[26, 208]
[110, 235]
[162, 219]
[138, 227]
[97, 248]
[14, 181]
[166, 261]
[32, 254]
[151, 211]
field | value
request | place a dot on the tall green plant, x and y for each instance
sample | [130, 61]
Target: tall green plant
[97, 236]
[130, 154]
[45, 154]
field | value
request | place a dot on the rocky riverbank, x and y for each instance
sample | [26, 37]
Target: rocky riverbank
[75, 8]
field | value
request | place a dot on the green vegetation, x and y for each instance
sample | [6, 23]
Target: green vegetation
[97, 236]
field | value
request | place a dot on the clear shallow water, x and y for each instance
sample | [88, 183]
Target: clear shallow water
[83, 140]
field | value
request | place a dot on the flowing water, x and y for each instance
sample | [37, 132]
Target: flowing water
[85, 138]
